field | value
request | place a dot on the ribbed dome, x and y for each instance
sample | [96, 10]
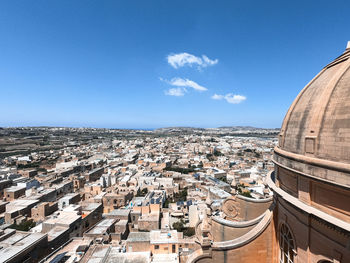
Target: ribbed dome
[315, 135]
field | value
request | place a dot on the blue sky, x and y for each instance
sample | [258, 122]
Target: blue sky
[119, 64]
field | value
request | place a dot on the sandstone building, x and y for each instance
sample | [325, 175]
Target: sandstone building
[308, 218]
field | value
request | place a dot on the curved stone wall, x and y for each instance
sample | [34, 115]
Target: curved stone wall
[253, 246]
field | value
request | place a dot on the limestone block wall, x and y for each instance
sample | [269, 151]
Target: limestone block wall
[259, 250]
[314, 239]
[222, 231]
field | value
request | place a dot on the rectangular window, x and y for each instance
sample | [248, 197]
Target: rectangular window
[156, 246]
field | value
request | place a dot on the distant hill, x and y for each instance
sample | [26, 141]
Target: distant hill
[246, 128]
[222, 127]
[234, 130]
[168, 129]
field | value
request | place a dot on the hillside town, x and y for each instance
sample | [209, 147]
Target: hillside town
[100, 195]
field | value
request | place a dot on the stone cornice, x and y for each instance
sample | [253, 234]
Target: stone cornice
[332, 165]
[306, 208]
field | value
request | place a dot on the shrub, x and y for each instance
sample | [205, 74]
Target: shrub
[24, 226]
[189, 231]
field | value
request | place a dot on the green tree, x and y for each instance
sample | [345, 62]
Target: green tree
[142, 192]
[24, 226]
[166, 203]
[246, 194]
[179, 226]
[189, 231]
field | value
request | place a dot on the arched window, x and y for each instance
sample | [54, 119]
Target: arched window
[287, 248]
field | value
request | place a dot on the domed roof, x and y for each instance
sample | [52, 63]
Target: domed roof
[316, 130]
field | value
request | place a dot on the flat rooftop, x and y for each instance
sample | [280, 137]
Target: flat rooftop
[169, 258]
[159, 237]
[22, 202]
[90, 206]
[108, 254]
[139, 237]
[14, 189]
[70, 248]
[119, 212]
[122, 223]
[102, 227]
[17, 243]
[64, 218]
[56, 232]
[130, 257]
[106, 222]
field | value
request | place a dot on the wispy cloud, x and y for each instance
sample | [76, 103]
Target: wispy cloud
[234, 99]
[230, 98]
[179, 82]
[184, 59]
[217, 97]
[178, 92]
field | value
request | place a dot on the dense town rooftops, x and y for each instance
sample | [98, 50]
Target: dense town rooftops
[106, 190]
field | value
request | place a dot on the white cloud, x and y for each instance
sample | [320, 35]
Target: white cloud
[179, 82]
[184, 59]
[217, 97]
[230, 98]
[178, 92]
[208, 61]
[234, 99]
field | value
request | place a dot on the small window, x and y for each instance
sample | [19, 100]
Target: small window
[156, 246]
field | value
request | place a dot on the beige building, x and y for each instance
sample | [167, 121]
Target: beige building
[164, 242]
[311, 181]
[138, 242]
[42, 210]
[14, 192]
[116, 200]
[91, 190]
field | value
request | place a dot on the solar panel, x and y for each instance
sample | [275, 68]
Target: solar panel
[58, 258]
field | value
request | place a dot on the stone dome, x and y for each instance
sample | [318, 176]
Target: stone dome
[315, 134]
